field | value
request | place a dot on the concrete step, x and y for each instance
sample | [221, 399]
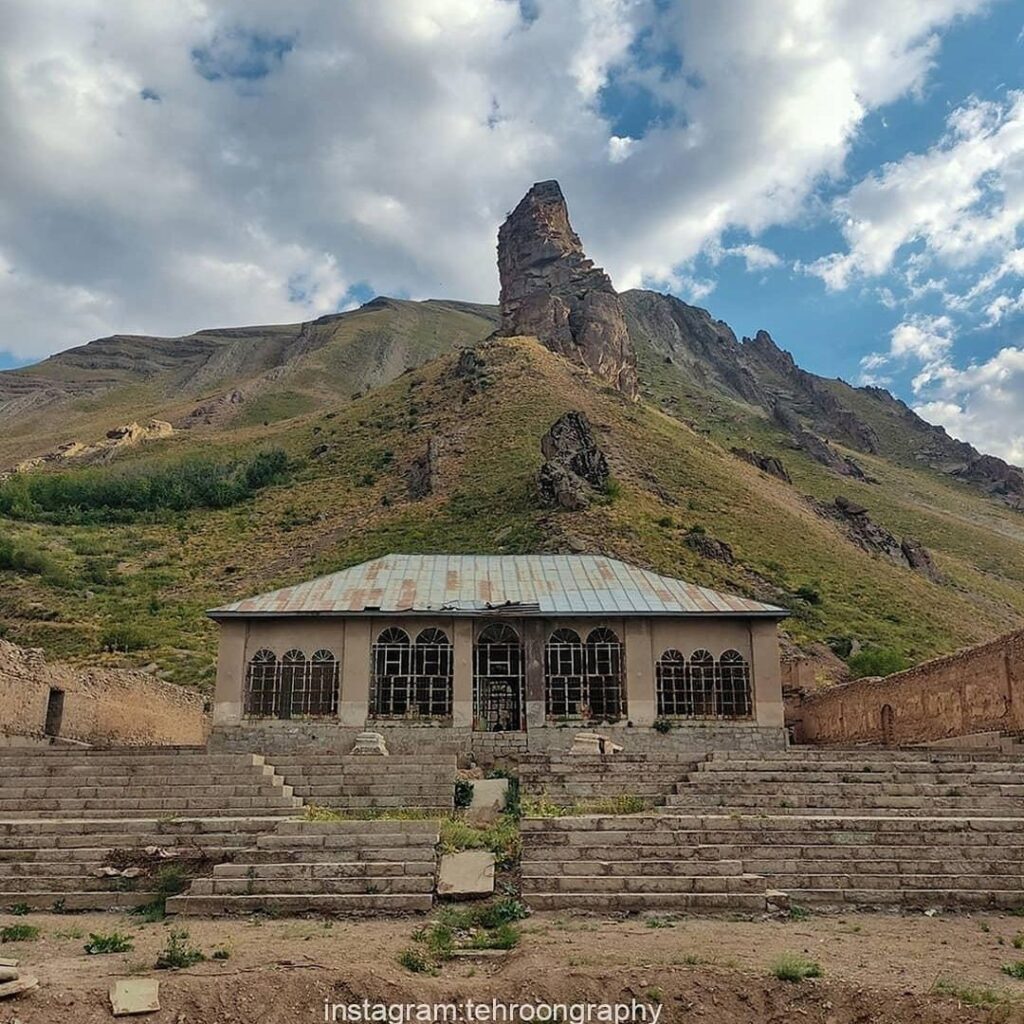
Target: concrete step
[972, 776]
[897, 882]
[840, 791]
[694, 902]
[290, 904]
[135, 791]
[614, 884]
[326, 869]
[909, 898]
[74, 901]
[390, 884]
[539, 866]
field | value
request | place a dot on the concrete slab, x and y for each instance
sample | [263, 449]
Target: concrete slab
[16, 988]
[488, 802]
[134, 995]
[469, 873]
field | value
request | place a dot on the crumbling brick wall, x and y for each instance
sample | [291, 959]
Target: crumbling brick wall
[100, 706]
[979, 689]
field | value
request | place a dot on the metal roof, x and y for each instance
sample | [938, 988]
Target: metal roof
[492, 584]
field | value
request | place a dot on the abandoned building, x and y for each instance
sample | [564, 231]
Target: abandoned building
[507, 652]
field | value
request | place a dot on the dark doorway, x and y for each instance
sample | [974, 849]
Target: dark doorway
[54, 712]
[887, 725]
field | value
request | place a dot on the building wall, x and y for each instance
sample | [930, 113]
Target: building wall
[644, 642]
[979, 689]
[101, 706]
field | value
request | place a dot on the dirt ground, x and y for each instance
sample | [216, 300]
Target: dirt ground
[877, 968]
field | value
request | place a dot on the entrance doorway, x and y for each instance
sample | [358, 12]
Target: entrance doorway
[888, 736]
[54, 712]
[498, 680]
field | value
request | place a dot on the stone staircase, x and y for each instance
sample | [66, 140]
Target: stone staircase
[139, 783]
[569, 779]
[350, 867]
[64, 864]
[824, 781]
[356, 782]
[630, 863]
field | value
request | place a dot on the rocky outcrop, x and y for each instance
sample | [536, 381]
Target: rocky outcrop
[575, 467]
[709, 547]
[813, 446]
[770, 464]
[876, 539]
[550, 290]
[419, 477]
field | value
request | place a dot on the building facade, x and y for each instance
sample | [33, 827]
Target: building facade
[499, 652]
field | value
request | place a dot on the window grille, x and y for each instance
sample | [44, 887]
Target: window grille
[317, 692]
[584, 680]
[498, 679]
[262, 685]
[412, 680]
[703, 687]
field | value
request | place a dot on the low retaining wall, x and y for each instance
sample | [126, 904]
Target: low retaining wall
[94, 706]
[268, 737]
[979, 689]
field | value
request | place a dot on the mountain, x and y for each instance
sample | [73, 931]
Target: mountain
[407, 426]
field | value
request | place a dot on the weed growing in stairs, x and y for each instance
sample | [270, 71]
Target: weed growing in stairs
[178, 952]
[19, 933]
[485, 926]
[114, 942]
[794, 967]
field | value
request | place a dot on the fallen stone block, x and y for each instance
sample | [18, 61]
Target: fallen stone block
[134, 995]
[371, 743]
[8, 974]
[16, 988]
[469, 873]
[7, 962]
[488, 801]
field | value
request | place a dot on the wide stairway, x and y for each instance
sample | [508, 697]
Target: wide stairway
[843, 828]
[350, 867]
[823, 781]
[567, 780]
[628, 863]
[358, 782]
[139, 782]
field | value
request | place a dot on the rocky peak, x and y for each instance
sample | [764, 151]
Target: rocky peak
[549, 289]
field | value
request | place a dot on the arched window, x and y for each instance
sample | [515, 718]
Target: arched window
[563, 673]
[603, 664]
[670, 684]
[432, 671]
[392, 673]
[261, 684]
[733, 686]
[700, 684]
[293, 679]
[498, 679]
[318, 692]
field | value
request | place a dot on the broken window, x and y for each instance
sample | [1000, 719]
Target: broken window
[583, 680]
[262, 685]
[291, 686]
[703, 687]
[733, 686]
[412, 680]
[498, 679]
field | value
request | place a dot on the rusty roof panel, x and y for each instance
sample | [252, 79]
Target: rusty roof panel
[472, 584]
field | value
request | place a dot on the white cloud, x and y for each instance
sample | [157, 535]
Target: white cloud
[983, 403]
[921, 338]
[959, 202]
[183, 164]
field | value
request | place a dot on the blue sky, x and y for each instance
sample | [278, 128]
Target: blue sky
[848, 176]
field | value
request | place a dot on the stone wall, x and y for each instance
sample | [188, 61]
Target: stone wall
[100, 706]
[979, 689]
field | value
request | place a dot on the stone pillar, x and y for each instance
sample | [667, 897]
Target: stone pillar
[641, 702]
[462, 674]
[228, 693]
[534, 638]
[354, 706]
[766, 673]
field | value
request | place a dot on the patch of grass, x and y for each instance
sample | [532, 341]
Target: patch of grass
[416, 961]
[798, 913]
[112, 942]
[621, 803]
[178, 952]
[795, 967]
[1014, 970]
[19, 933]
[877, 661]
[1018, 940]
[973, 995]
[19, 909]
[221, 953]
[660, 922]
[150, 913]
[502, 838]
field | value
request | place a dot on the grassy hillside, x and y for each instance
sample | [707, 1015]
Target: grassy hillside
[138, 589]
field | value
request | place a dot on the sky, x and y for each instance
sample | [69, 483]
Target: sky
[846, 174]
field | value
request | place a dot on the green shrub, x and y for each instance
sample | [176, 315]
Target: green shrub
[178, 953]
[104, 495]
[662, 725]
[115, 942]
[808, 593]
[877, 661]
[415, 960]
[794, 967]
[19, 933]
[19, 909]
[1014, 970]
[463, 792]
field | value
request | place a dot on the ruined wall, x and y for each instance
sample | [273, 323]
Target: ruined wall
[979, 689]
[100, 706]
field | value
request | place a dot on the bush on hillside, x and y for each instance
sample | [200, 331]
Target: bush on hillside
[97, 495]
[877, 661]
